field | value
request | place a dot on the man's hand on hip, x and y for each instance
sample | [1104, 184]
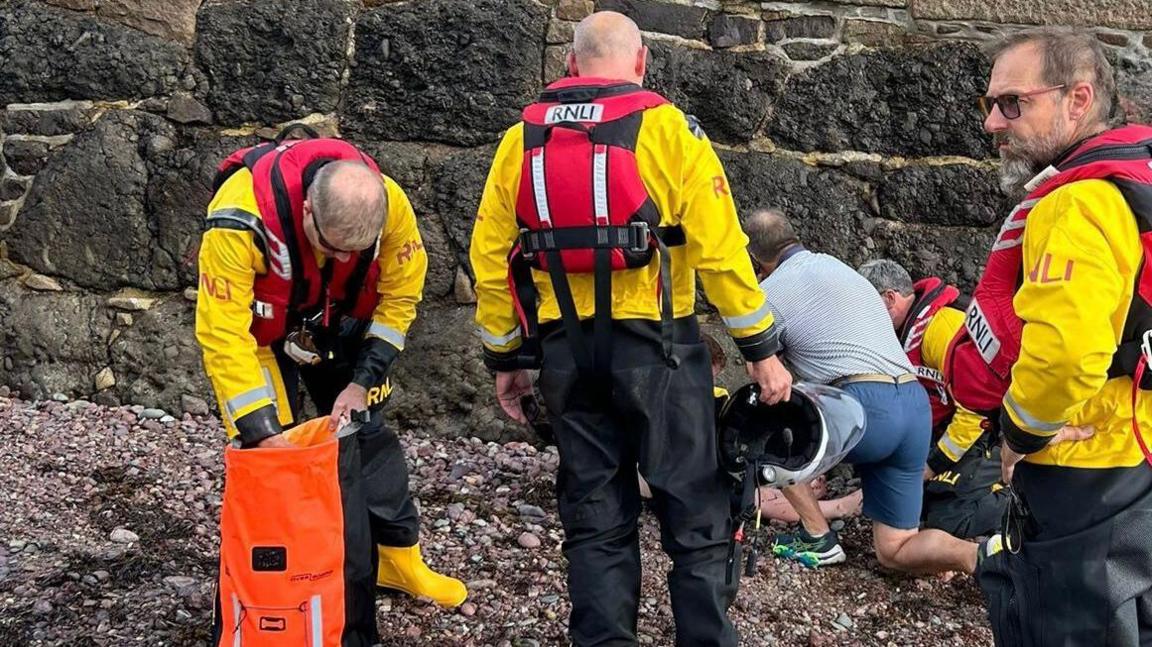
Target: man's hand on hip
[775, 381]
[353, 398]
[510, 387]
[1067, 433]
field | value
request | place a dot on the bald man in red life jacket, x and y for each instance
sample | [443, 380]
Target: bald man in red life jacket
[310, 270]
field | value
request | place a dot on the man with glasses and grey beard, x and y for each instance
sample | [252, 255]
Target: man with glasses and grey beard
[1054, 333]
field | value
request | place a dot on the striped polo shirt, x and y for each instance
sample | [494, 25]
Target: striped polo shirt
[833, 322]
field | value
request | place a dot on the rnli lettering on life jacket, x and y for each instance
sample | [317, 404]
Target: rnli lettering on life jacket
[592, 112]
[925, 373]
[981, 332]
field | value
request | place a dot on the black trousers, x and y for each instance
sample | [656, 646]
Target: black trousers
[384, 471]
[968, 500]
[1083, 575]
[642, 412]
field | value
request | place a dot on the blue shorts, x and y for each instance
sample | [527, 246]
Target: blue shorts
[891, 456]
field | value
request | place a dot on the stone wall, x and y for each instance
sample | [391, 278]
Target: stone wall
[856, 116]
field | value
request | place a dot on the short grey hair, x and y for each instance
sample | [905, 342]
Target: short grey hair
[886, 274]
[352, 214]
[1069, 56]
[769, 233]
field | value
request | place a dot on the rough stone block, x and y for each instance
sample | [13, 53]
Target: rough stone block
[179, 189]
[800, 27]
[1120, 14]
[442, 387]
[51, 54]
[827, 207]
[171, 19]
[560, 32]
[184, 109]
[574, 9]
[157, 361]
[955, 254]
[464, 82]
[948, 195]
[914, 101]
[727, 30]
[112, 209]
[681, 20]
[12, 189]
[49, 122]
[874, 3]
[1134, 85]
[732, 93]
[874, 33]
[268, 63]
[52, 340]
[25, 156]
[556, 62]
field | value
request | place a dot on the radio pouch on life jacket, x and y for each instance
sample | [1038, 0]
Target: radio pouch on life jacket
[296, 553]
[583, 208]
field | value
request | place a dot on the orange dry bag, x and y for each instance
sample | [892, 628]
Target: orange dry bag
[296, 554]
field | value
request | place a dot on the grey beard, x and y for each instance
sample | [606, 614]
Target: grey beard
[1015, 172]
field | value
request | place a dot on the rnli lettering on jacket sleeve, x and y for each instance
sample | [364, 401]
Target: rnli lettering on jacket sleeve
[229, 262]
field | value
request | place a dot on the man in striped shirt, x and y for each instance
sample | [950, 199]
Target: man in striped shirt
[835, 330]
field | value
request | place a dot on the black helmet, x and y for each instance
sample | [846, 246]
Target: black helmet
[790, 442]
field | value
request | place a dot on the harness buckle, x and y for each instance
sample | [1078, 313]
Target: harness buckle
[524, 241]
[643, 234]
[1146, 347]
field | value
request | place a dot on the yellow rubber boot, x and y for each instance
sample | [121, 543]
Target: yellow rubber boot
[404, 569]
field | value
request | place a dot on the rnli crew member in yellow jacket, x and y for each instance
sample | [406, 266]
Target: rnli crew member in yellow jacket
[963, 495]
[1064, 303]
[312, 269]
[620, 202]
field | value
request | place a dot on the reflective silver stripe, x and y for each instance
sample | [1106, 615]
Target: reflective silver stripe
[951, 447]
[1028, 419]
[600, 183]
[1013, 226]
[1007, 244]
[279, 259]
[390, 335]
[236, 611]
[538, 187]
[751, 319]
[317, 619]
[239, 216]
[1027, 204]
[494, 340]
[248, 397]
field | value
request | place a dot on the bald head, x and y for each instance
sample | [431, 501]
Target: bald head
[349, 204]
[607, 44]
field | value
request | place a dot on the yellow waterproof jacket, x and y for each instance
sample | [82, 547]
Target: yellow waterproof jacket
[243, 375]
[1081, 256]
[965, 427]
[685, 179]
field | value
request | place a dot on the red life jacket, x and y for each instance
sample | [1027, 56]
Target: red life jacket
[295, 286]
[932, 294]
[582, 206]
[989, 344]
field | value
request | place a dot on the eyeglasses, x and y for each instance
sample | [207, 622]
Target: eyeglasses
[324, 242]
[1010, 103]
